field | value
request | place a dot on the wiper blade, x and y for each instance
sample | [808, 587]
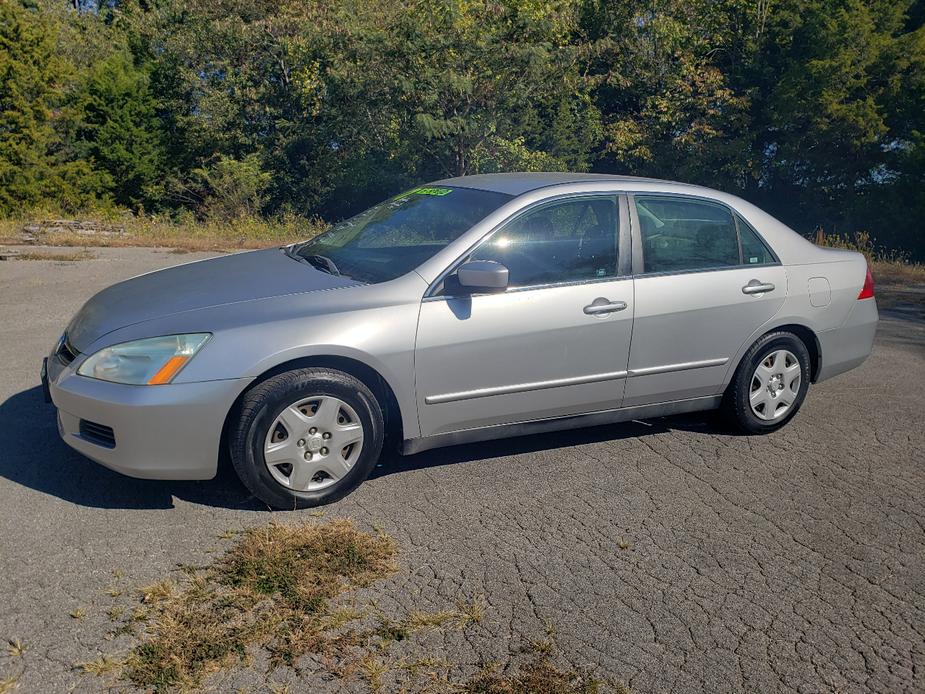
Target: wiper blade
[292, 251]
[319, 262]
[322, 262]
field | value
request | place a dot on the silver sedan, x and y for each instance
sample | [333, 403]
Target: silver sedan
[469, 309]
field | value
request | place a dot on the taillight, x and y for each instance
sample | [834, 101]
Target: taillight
[867, 291]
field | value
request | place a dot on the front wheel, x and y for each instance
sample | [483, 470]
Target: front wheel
[306, 437]
[770, 384]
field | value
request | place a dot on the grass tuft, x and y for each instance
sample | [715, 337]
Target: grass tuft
[15, 648]
[8, 684]
[158, 592]
[102, 666]
[374, 669]
[537, 677]
[78, 613]
[274, 587]
[472, 612]
[306, 565]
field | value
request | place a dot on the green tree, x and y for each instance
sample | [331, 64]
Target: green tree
[27, 88]
[814, 109]
[347, 102]
[119, 131]
[232, 188]
[469, 78]
[669, 110]
[35, 168]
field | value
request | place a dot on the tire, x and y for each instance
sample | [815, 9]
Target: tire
[311, 412]
[762, 401]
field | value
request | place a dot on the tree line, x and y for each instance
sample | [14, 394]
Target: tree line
[812, 109]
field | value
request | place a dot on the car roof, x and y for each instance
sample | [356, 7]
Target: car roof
[524, 182]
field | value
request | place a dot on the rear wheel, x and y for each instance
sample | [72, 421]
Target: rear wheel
[770, 384]
[306, 437]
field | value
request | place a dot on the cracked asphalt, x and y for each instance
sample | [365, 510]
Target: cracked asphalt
[668, 554]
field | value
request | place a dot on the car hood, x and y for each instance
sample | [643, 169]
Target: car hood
[202, 284]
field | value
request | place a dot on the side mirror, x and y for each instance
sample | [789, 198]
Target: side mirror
[482, 276]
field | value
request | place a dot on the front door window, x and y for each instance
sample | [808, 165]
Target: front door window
[568, 241]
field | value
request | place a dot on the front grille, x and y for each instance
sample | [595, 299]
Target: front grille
[66, 351]
[99, 434]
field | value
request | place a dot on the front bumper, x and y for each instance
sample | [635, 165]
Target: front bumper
[160, 432]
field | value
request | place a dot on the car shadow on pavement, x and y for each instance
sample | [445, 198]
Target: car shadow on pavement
[33, 455]
[499, 448]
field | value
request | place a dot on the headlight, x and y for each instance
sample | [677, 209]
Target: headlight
[154, 361]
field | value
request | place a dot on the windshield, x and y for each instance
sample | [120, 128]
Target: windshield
[395, 236]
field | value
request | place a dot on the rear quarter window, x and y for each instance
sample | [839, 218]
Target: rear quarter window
[754, 250]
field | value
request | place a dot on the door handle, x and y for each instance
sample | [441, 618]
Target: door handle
[601, 306]
[756, 287]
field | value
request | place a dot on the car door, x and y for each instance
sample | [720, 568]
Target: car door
[554, 343]
[704, 283]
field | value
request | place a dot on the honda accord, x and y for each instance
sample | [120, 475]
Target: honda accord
[468, 309]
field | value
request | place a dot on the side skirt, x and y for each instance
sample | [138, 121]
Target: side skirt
[540, 426]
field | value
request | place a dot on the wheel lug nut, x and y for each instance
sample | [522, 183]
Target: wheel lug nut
[313, 430]
[324, 451]
[326, 435]
[301, 442]
[308, 455]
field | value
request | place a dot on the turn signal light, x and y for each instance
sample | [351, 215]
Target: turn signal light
[168, 370]
[867, 291]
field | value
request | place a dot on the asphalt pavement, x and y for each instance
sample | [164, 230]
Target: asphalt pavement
[669, 554]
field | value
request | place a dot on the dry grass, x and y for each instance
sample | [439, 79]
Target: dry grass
[273, 588]
[887, 266]
[889, 273]
[78, 613]
[189, 235]
[284, 589]
[306, 565]
[82, 254]
[898, 282]
[540, 676]
[15, 648]
[102, 666]
[473, 612]
[158, 592]
[8, 684]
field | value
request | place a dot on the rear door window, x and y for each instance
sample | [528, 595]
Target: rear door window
[680, 235]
